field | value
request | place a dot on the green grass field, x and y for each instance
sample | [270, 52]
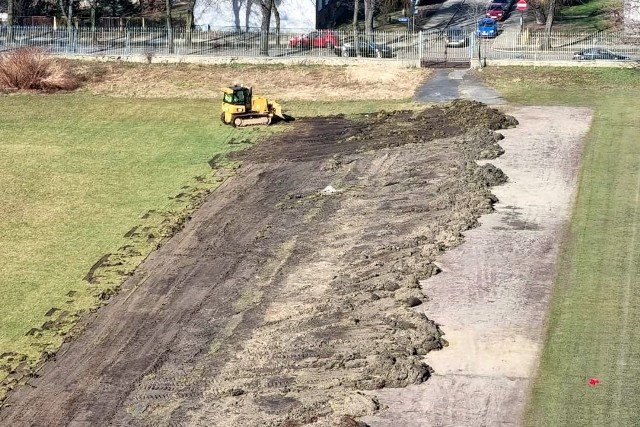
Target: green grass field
[77, 173]
[594, 319]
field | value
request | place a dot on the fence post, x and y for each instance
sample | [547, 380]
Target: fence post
[420, 43]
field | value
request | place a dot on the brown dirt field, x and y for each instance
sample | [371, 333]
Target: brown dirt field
[290, 290]
[275, 81]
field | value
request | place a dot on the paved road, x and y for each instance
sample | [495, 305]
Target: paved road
[446, 85]
[466, 13]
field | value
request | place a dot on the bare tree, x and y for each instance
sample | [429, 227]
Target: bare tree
[631, 16]
[150, 7]
[539, 8]
[191, 4]
[93, 6]
[475, 9]
[356, 42]
[10, 21]
[276, 15]
[549, 23]
[168, 25]
[369, 8]
[67, 13]
[247, 13]
[266, 6]
[386, 7]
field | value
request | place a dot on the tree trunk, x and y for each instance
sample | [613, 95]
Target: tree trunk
[189, 23]
[548, 24]
[247, 17]
[356, 43]
[368, 18]
[94, 38]
[10, 21]
[266, 6]
[68, 16]
[276, 15]
[167, 4]
[387, 7]
[538, 12]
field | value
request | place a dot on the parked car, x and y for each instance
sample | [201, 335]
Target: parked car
[456, 37]
[598, 53]
[496, 11]
[320, 38]
[369, 49]
[487, 27]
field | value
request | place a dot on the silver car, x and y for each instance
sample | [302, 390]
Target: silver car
[456, 37]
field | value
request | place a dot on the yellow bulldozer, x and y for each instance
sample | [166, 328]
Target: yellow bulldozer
[240, 108]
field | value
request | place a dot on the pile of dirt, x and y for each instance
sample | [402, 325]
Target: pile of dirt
[323, 341]
[475, 114]
[288, 298]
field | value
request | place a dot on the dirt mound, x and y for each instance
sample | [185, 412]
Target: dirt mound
[290, 291]
[476, 114]
[360, 332]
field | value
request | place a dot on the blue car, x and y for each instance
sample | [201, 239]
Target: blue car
[487, 27]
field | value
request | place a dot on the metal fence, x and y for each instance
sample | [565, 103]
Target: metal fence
[426, 46]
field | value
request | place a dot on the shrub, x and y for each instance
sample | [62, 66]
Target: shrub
[31, 68]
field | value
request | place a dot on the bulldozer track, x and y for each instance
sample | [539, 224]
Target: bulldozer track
[239, 122]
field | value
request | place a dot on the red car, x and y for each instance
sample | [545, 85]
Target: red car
[497, 12]
[320, 38]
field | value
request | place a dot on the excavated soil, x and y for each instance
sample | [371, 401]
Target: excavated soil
[291, 289]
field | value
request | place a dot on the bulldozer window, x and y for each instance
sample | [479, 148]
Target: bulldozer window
[238, 97]
[228, 98]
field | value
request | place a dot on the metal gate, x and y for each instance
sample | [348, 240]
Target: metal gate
[441, 51]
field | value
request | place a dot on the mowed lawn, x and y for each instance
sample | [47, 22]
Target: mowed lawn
[76, 173]
[594, 320]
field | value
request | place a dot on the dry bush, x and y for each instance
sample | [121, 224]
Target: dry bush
[31, 68]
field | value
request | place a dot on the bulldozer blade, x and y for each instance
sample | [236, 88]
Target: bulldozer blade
[276, 110]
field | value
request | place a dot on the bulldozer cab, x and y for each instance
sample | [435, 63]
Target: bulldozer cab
[237, 95]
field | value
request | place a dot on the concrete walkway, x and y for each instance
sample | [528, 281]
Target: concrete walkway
[492, 295]
[447, 84]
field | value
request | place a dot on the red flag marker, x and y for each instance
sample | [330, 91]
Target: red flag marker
[593, 382]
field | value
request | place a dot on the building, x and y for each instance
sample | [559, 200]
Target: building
[245, 15]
